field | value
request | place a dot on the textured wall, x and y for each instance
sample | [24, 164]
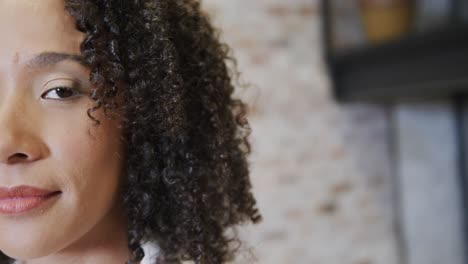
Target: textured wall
[321, 171]
[430, 193]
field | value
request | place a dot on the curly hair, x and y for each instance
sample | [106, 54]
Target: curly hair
[187, 174]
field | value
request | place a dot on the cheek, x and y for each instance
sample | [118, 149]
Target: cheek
[88, 171]
[90, 160]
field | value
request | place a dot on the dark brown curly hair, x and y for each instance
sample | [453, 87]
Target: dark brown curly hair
[186, 136]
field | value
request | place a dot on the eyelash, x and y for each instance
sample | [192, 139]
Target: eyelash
[75, 93]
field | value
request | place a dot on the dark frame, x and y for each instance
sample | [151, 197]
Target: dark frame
[420, 65]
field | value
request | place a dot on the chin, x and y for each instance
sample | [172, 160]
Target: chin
[27, 251]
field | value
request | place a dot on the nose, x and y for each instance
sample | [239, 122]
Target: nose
[19, 142]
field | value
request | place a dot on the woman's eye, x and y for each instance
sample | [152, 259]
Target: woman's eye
[60, 93]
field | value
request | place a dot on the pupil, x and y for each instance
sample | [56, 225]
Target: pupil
[64, 92]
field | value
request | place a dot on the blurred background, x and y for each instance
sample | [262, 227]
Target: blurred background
[359, 121]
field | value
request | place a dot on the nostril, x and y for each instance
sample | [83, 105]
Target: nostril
[17, 157]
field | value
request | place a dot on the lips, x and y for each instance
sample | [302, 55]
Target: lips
[21, 199]
[24, 191]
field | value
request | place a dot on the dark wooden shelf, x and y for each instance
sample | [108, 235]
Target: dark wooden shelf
[432, 64]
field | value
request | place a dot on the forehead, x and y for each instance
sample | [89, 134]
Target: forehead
[29, 27]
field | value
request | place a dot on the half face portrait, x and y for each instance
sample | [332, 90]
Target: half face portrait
[48, 141]
[118, 129]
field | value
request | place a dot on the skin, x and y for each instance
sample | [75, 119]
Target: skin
[51, 143]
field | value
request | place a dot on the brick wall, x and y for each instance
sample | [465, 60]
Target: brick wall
[320, 171]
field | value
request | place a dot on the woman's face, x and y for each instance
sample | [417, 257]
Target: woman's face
[46, 138]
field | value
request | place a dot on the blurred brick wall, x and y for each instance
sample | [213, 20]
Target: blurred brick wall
[320, 171]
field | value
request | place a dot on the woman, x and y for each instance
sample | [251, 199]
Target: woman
[118, 128]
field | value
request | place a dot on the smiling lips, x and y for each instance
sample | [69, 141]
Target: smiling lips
[23, 198]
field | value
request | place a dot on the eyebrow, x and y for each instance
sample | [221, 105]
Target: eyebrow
[46, 59]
